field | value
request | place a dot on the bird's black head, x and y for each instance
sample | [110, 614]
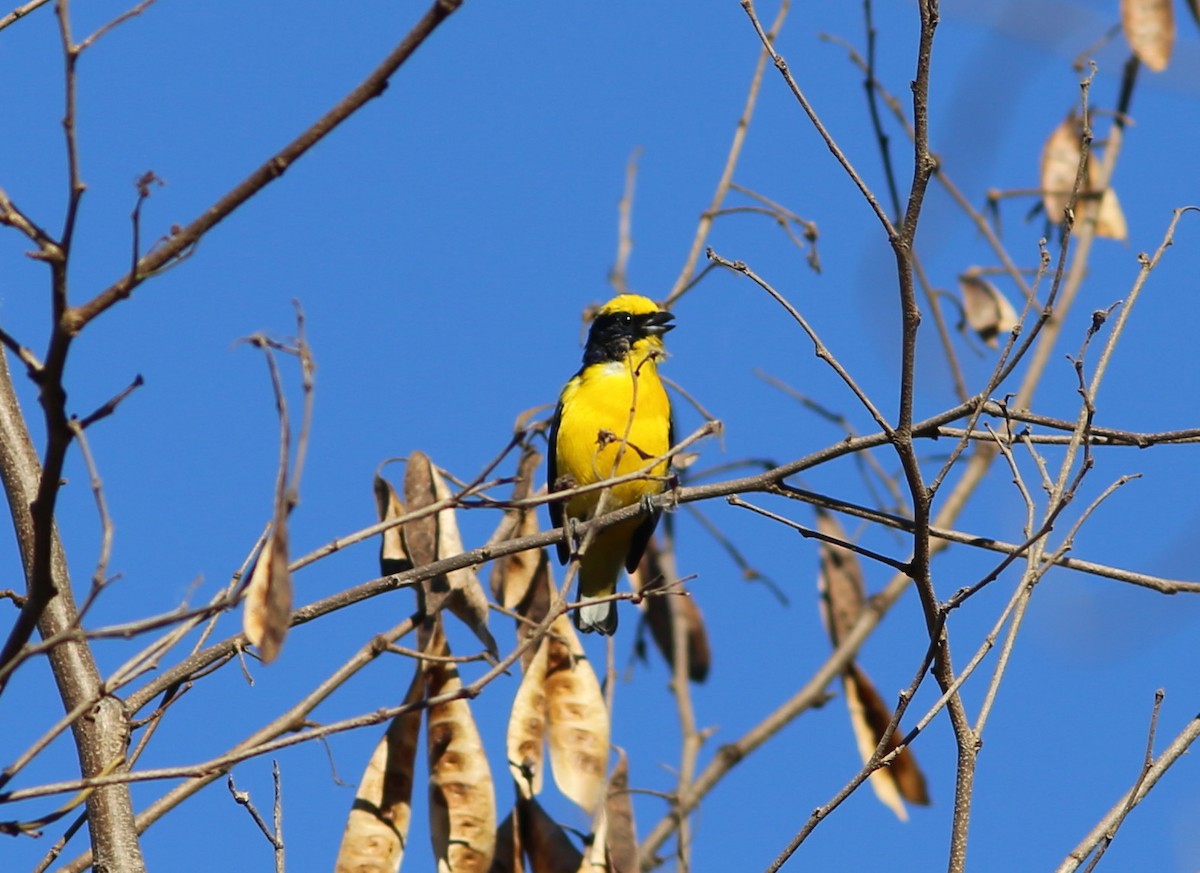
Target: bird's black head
[623, 323]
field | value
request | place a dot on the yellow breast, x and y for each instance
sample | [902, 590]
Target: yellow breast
[615, 420]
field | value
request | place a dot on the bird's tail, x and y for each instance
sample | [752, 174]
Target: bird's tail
[600, 617]
[598, 572]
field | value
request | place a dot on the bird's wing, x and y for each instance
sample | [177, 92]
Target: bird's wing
[556, 507]
[641, 536]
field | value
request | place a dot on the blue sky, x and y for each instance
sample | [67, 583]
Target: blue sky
[443, 244]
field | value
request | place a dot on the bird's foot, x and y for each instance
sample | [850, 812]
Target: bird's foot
[571, 535]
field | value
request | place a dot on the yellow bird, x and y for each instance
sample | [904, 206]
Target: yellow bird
[613, 418]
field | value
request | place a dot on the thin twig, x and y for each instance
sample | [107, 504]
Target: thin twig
[809, 533]
[687, 276]
[20, 12]
[618, 276]
[885, 152]
[116, 22]
[373, 86]
[1147, 764]
[1146, 780]
[821, 350]
[830, 143]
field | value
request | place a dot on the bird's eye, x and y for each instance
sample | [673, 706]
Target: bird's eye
[626, 318]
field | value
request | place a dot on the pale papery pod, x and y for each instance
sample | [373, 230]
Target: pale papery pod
[1149, 27]
[988, 311]
[684, 460]
[466, 600]
[622, 834]
[881, 780]
[527, 726]
[462, 801]
[1110, 218]
[377, 827]
[577, 720]
[392, 556]
[267, 612]
[546, 844]
[869, 715]
[594, 856]
[1060, 166]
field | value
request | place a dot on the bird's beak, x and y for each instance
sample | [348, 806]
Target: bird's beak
[659, 323]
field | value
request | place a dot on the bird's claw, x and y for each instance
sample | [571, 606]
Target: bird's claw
[571, 535]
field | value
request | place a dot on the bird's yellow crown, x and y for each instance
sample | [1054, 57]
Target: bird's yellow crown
[634, 304]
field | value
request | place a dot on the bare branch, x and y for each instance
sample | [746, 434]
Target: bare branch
[688, 276]
[373, 86]
[20, 12]
[1149, 776]
[618, 275]
[831, 144]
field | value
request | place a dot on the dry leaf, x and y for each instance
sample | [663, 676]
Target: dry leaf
[392, 556]
[988, 311]
[1110, 218]
[577, 720]
[622, 834]
[840, 581]
[870, 717]
[843, 597]
[881, 780]
[377, 828]
[1149, 27]
[508, 846]
[1060, 166]
[546, 844]
[420, 536]
[657, 570]
[267, 612]
[521, 582]
[268, 608]
[512, 575]
[433, 537]
[527, 726]
[462, 803]
[535, 606]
